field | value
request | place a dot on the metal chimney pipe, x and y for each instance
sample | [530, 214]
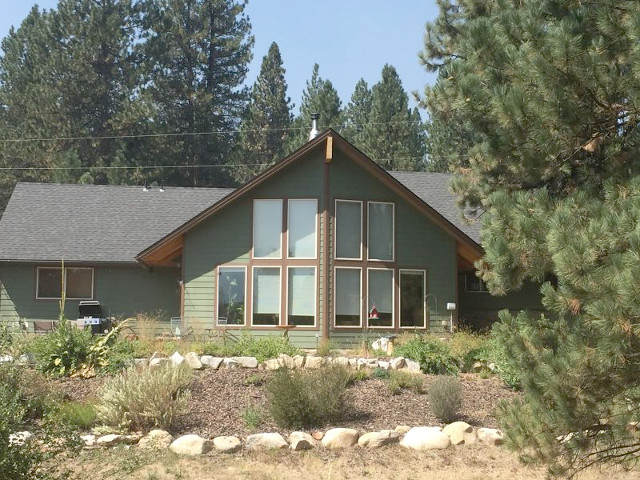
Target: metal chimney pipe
[314, 126]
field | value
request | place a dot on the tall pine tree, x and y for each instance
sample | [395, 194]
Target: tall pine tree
[551, 89]
[266, 122]
[357, 114]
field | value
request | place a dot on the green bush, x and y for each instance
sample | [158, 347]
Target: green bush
[63, 351]
[504, 364]
[76, 414]
[145, 398]
[380, 373]
[469, 348]
[252, 417]
[433, 355]
[445, 398]
[306, 398]
[263, 348]
[399, 380]
[358, 375]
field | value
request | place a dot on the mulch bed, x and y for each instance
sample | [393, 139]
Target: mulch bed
[219, 398]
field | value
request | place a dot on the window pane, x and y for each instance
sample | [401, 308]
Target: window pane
[380, 288]
[267, 228]
[79, 282]
[49, 282]
[302, 228]
[381, 231]
[473, 283]
[412, 293]
[266, 296]
[348, 229]
[347, 291]
[302, 296]
[231, 286]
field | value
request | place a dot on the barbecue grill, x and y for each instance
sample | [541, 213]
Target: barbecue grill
[90, 315]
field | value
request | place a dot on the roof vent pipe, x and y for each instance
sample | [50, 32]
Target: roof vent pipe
[314, 126]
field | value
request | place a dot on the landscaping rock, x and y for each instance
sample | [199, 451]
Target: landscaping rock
[158, 439]
[372, 363]
[229, 363]
[317, 435]
[460, 433]
[115, 439]
[27, 359]
[340, 438]
[412, 366]
[298, 361]
[227, 444]
[265, 441]
[383, 365]
[397, 363]
[314, 362]
[285, 360]
[176, 359]
[20, 438]
[301, 441]
[341, 361]
[211, 362]
[6, 359]
[402, 429]
[191, 445]
[379, 439]
[353, 362]
[361, 363]
[272, 364]
[246, 362]
[89, 440]
[156, 362]
[490, 435]
[425, 438]
[193, 360]
[143, 362]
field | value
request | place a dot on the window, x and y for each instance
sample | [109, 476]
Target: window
[231, 295]
[301, 292]
[380, 295]
[266, 296]
[348, 229]
[474, 284]
[267, 228]
[380, 236]
[412, 299]
[302, 228]
[77, 283]
[347, 297]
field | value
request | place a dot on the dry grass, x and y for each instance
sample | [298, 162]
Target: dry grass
[475, 462]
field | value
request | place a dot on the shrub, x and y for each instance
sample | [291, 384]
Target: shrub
[380, 373]
[433, 355]
[252, 417]
[399, 380]
[504, 365]
[469, 348]
[304, 398]
[145, 398]
[358, 376]
[63, 351]
[76, 414]
[262, 348]
[326, 348]
[445, 398]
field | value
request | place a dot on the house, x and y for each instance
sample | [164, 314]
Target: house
[324, 244]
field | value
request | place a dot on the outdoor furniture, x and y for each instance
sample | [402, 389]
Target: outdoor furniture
[43, 326]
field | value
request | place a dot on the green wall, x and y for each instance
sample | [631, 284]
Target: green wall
[122, 291]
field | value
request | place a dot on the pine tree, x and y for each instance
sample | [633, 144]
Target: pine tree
[357, 114]
[394, 135]
[265, 125]
[550, 88]
[318, 97]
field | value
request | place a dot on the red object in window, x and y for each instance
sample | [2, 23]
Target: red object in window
[373, 314]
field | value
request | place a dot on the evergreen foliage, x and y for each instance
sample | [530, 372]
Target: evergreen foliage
[357, 114]
[266, 122]
[549, 90]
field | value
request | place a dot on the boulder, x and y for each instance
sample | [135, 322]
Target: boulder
[340, 438]
[314, 362]
[20, 438]
[211, 362]
[88, 440]
[285, 361]
[227, 444]
[298, 361]
[361, 363]
[27, 359]
[193, 360]
[246, 362]
[6, 358]
[229, 363]
[265, 441]
[383, 365]
[176, 359]
[402, 429]
[379, 439]
[301, 441]
[317, 435]
[490, 435]
[372, 362]
[156, 362]
[115, 439]
[460, 433]
[158, 439]
[425, 438]
[142, 362]
[353, 362]
[191, 445]
[272, 364]
[341, 361]
[397, 363]
[412, 366]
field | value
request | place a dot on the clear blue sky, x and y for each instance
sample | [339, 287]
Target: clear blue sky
[349, 39]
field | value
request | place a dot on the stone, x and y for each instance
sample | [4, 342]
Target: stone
[477, 367]
[191, 445]
[397, 363]
[193, 360]
[265, 441]
[285, 360]
[246, 362]
[490, 435]
[142, 362]
[340, 438]
[229, 363]
[156, 362]
[341, 361]
[383, 365]
[20, 438]
[317, 435]
[27, 359]
[88, 440]
[298, 361]
[159, 439]
[372, 363]
[412, 366]
[379, 439]
[353, 362]
[227, 444]
[425, 438]
[211, 362]
[176, 359]
[314, 362]
[460, 433]
[272, 364]
[6, 359]
[402, 429]
[301, 441]
[361, 363]
[115, 439]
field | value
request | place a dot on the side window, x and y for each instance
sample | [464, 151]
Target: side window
[231, 295]
[348, 229]
[302, 221]
[267, 228]
[380, 239]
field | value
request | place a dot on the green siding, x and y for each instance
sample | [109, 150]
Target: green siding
[122, 291]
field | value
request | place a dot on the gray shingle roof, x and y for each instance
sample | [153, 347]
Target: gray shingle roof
[94, 223]
[110, 223]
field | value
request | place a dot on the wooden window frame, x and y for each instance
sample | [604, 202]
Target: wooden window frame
[280, 300]
[253, 228]
[217, 305]
[335, 274]
[315, 297]
[64, 282]
[425, 316]
[483, 287]
[393, 231]
[335, 232]
[315, 242]
[393, 298]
